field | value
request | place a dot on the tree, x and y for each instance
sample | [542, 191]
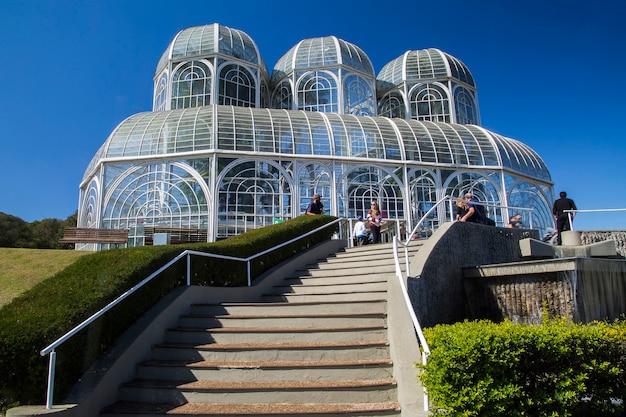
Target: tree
[14, 232]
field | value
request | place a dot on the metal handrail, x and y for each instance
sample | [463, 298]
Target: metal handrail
[50, 349]
[409, 306]
[572, 213]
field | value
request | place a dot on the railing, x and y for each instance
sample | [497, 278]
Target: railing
[50, 349]
[572, 213]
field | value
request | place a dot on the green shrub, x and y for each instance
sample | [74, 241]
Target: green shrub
[556, 369]
[50, 309]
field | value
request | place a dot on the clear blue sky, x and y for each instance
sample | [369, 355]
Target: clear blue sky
[549, 73]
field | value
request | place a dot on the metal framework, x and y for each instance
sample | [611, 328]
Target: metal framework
[213, 156]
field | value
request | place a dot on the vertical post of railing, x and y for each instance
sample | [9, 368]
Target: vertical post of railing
[51, 367]
[569, 219]
[188, 270]
[248, 270]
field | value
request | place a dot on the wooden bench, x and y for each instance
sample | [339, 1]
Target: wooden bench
[177, 235]
[87, 235]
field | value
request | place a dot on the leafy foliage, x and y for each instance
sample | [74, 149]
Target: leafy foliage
[556, 369]
[40, 234]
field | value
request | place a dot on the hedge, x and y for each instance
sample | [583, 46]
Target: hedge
[555, 369]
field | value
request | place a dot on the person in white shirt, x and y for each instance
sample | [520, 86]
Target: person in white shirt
[359, 233]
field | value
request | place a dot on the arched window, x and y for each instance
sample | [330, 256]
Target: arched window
[237, 86]
[282, 97]
[465, 107]
[160, 94]
[430, 102]
[358, 97]
[317, 91]
[392, 105]
[191, 85]
[251, 194]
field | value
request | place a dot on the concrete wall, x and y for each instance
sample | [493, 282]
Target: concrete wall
[592, 236]
[579, 288]
[435, 285]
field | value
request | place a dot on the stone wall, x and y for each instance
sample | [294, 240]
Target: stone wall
[435, 282]
[580, 289]
[440, 293]
[592, 236]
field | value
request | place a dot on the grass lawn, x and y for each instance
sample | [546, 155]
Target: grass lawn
[20, 269]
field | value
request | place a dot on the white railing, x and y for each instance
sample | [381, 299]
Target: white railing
[50, 349]
[572, 213]
[402, 279]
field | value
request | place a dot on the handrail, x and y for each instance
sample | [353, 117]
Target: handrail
[572, 213]
[50, 349]
[414, 320]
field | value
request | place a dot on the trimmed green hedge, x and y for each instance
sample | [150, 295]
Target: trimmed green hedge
[555, 369]
[53, 307]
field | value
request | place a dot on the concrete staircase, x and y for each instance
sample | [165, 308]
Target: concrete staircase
[317, 345]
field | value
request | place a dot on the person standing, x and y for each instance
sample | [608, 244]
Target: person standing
[315, 207]
[375, 219]
[561, 216]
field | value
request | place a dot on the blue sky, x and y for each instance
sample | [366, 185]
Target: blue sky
[549, 73]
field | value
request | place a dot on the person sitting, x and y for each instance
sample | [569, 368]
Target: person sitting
[461, 208]
[359, 233]
[515, 221]
[475, 212]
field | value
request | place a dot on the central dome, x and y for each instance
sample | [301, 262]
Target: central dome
[323, 52]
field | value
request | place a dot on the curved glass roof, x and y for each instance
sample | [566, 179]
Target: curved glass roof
[323, 52]
[425, 64]
[181, 133]
[211, 39]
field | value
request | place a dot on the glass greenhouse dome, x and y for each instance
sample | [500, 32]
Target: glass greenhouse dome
[213, 160]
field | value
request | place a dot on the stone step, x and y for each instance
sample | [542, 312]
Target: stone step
[302, 370]
[260, 308]
[286, 320]
[318, 351]
[323, 297]
[310, 288]
[336, 279]
[350, 409]
[379, 268]
[285, 391]
[273, 334]
[365, 260]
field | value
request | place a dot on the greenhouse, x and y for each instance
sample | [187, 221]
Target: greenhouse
[228, 148]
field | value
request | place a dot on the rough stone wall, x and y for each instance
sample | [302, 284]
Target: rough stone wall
[619, 236]
[441, 295]
[436, 278]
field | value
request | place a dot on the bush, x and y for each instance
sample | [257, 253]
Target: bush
[556, 369]
[50, 309]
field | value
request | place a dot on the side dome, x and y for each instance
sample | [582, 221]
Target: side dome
[323, 52]
[424, 64]
[211, 39]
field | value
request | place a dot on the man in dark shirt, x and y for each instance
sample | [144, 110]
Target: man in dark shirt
[475, 212]
[315, 207]
[561, 217]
